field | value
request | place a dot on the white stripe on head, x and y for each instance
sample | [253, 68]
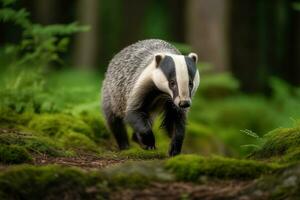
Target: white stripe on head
[161, 81]
[182, 77]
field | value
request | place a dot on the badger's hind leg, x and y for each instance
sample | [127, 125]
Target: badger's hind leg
[117, 127]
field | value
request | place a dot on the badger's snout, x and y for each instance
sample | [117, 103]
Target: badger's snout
[185, 103]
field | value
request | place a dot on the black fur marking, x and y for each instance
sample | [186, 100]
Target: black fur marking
[174, 123]
[168, 68]
[167, 65]
[192, 69]
[158, 59]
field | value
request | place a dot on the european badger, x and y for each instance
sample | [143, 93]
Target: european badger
[145, 78]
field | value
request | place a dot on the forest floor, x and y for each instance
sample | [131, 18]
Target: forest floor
[215, 189]
[142, 175]
[54, 145]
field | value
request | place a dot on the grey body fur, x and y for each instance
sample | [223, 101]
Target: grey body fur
[124, 70]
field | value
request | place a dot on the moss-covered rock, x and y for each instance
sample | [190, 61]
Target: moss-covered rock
[281, 144]
[11, 154]
[49, 182]
[192, 167]
[31, 142]
[57, 182]
[284, 184]
[78, 141]
[136, 174]
[59, 124]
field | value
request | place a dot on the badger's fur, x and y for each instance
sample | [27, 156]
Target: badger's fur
[146, 78]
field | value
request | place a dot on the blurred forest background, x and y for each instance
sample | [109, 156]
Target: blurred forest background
[252, 39]
[53, 55]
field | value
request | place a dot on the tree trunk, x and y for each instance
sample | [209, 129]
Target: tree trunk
[207, 24]
[294, 72]
[87, 43]
[248, 39]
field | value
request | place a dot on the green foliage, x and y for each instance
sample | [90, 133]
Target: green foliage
[296, 6]
[183, 48]
[192, 167]
[285, 100]
[40, 44]
[218, 86]
[226, 118]
[11, 154]
[201, 138]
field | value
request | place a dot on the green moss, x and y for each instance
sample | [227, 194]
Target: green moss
[78, 141]
[281, 144]
[30, 182]
[192, 167]
[57, 182]
[96, 123]
[11, 119]
[138, 153]
[59, 124]
[31, 142]
[11, 154]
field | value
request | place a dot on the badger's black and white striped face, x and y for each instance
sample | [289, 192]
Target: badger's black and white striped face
[178, 76]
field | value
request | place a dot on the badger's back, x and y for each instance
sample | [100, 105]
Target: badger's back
[124, 70]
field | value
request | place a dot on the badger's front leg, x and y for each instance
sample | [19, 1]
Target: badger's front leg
[174, 123]
[141, 124]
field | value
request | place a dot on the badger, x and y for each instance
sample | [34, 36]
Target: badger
[143, 80]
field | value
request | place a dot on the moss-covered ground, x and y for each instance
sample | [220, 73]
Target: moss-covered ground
[54, 145]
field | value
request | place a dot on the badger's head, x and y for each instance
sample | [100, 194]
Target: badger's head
[178, 76]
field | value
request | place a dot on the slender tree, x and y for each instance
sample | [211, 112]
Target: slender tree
[206, 31]
[86, 44]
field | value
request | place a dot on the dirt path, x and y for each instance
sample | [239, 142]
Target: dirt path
[183, 190]
[83, 161]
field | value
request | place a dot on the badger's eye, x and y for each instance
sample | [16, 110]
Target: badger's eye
[172, 83]
[191, 84]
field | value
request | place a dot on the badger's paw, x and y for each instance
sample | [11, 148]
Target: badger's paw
[146, 141]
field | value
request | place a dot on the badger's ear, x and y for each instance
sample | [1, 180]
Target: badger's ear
[194, 57]
[158, 58]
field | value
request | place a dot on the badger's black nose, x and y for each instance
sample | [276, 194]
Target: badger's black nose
[185, 104]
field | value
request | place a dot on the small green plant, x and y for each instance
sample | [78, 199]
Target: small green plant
[38, 47]
[39, 44]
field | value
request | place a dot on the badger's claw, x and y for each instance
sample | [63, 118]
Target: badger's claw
[150, 148]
